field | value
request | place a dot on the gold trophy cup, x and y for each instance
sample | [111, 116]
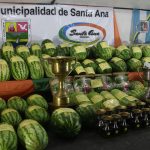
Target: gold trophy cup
[61, 67]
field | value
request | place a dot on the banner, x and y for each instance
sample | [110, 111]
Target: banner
[140, 28]
[73, 24]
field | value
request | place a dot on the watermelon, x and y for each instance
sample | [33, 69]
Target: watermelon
[89, 70]
[32, 135]
[128, 100]
[11, 116]
[96, 99]
[87, 113]
[99, 61]
[103, 50]
[90, 51]
[23, 51]
[8, 137]
[48, 47]
[17, 103]
[136, 85]
[78, 69]
[136, 52]
[4, 70]
[104, 68]
[47, 66]
[35, 67]
[3, 104]
[19, 68]
[97, 84]
[107, 95]
[78, 51]
[118, 64]
[38, 100]
[145, 59]
[80, 98]
[139, 94]
[134, 64]
[118, 94]
[111, 104]
[36, 50]
[113, 49]
[89, 63]
[146, 50]
[65, 122]
[123, 52]
[63, 49]
[7, 51]
[37, 113]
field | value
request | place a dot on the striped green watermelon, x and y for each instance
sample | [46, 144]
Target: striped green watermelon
[138, 93]
[65, 48]
[8, 137]
[123, 52]
[78, 69]
[145, 59]
[146, 50]
[37, 113]
[79, 98]
[32, 135]
[78, 51]
[113, 49]
[110, 104]
[99, 61]
[118, 94]
[4, 70]
[48, 47]
[136, 52]
[96, 99]
[136, 85]
[3, 104]
[17, 103]
[104, 68]
[38, 100]
[7, 51]
[61, 51]
[103, 50]
[134, 64]
[19, 68]
[107, 95]
[128, 100]
[89, 63]
[118, 64]
[36, 50]
[11, 116]
[35, 67]
[87, 113]
[47, 66]
[65, 122]
[23, 51]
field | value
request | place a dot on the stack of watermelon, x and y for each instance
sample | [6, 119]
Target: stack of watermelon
[97, 59]
[24, 117]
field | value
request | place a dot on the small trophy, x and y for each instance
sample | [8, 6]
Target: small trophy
[61, 67]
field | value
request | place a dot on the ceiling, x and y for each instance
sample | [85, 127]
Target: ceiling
[142, 4]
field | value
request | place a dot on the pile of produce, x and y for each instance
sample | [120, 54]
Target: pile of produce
[20, 117]
[98, 59]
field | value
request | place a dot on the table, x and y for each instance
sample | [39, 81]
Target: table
[91, 140]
